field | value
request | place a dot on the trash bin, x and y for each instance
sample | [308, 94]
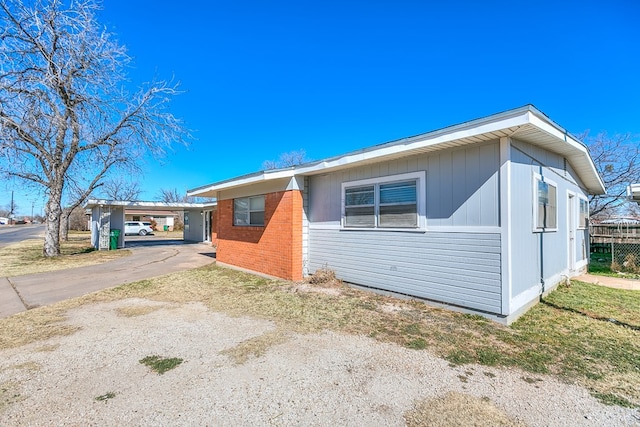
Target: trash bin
[113, 239]
[166, 228]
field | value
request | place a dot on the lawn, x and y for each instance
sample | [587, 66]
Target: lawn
[583, 333]
[600, 264]
[26, 257]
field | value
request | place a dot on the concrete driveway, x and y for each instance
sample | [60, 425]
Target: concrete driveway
[147, 260]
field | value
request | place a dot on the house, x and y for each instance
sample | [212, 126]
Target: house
[484, 216]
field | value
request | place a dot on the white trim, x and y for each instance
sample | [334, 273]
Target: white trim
[537, 177]
[505, 225]
[431, 229]
[468, 130]
[580, 264]
[420, 178]
[571, 198]
[578, 225]
[581, 153]
[525, 297]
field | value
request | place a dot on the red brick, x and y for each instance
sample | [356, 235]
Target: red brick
[275, 249]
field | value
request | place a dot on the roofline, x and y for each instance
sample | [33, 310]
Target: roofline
[527, 114]
[90, 203]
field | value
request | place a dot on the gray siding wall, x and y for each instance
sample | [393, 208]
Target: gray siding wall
[462, 186]
[456, 261]
[526, 244]
[456, 268]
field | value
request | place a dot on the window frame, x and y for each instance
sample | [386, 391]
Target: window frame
[536, 179]
[420, 180]
[581, 201]
[250, 211]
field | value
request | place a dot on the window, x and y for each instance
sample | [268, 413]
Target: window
[248, 211]
[546, 203]
[584, 213]
[389, 203]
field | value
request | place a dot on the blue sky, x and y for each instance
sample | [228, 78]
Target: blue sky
[263, 78]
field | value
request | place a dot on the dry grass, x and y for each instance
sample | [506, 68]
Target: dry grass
[138, 310]
[457, 409]
[173, 235]
[26, 257]
[255, 347]
[554, 339]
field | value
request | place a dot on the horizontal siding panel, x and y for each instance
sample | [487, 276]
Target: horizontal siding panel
[455, 268]
[412, 268]
[483, 265]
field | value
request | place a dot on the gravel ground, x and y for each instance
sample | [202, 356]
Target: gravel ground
[315, 379]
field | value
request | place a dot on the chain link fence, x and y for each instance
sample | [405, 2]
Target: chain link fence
[622, 241]
[625, 257]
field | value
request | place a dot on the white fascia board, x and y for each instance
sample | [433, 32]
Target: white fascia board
[141, 204]
[596, 186]
[242, 181]
[418, 142]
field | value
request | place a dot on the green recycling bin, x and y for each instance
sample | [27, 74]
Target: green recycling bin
[113, 239]
[166, 228]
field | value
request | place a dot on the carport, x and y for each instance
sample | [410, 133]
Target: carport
[107, 215]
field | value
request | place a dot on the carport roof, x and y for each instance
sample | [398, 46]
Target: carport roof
[146, 206]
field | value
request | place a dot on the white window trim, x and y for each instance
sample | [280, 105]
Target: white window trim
[421, 179]
[581, 227]
[537, 177]
[248, 211]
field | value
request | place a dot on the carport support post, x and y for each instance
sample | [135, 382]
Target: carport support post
[105, 228]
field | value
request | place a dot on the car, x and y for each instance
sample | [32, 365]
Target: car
[137, 227]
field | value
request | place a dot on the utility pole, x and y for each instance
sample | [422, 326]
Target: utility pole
[32, 204]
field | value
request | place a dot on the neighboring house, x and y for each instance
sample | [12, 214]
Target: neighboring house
[484, 216]
[633, 191]
[161, 217]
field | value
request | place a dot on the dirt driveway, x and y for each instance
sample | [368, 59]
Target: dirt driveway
[300, 379]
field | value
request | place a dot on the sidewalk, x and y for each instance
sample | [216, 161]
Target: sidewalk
[20, 293]
[610, 282]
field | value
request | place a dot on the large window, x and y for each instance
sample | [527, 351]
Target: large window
[584, 213]
[390, 202]
[248, 211]
[546, 204]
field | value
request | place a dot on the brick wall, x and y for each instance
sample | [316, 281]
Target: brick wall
[276, 248]
[214, 227]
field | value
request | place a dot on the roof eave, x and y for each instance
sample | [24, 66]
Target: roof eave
[507, 123]
[91, 203]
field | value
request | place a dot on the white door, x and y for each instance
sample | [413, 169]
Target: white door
[571, 226]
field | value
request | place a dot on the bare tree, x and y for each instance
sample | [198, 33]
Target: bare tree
[171, 195]
[121, 189]
[291, 158]
[66, 118]
[617, 159]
